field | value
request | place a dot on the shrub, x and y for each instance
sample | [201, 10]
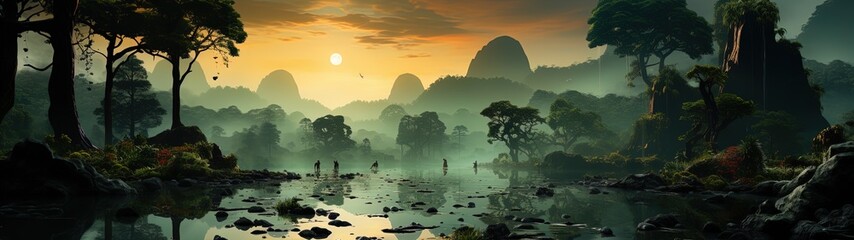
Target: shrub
[228, 162]
[287, 206]
[61, 146]
[714, 182]
[146, 172]
[186, 164]
[466, 233]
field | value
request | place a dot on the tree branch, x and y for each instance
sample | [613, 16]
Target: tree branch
[37, 68]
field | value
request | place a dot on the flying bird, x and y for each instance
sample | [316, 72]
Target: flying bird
[360, 75]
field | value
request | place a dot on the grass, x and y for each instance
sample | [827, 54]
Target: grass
[466, 233]
[284, 207]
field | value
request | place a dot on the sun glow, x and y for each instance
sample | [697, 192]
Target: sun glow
[336, 59]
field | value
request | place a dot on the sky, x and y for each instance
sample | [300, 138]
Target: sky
[381, 39]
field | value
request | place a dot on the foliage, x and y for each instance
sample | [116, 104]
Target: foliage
[778, 132]
[286, 206]
[466, 233]
[714, 182]
[16, 126]
[738, 12]
[638, 28]
[186, 164]
[392, 114]
[571, 124]
[736, 162]
[421, 132]
[828, 137]
[515, 127]
[61, 146]
[134, 105]
[730, 108]
[331, 134]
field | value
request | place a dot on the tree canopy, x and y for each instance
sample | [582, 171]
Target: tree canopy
[331, 134]
[421, 132]
[571, 124]
[515, 127]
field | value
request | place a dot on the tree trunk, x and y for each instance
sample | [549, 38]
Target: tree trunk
[176, 92]
[176, 228]
[108, 93]
[9, 59]
[711, 113]
[62, 112]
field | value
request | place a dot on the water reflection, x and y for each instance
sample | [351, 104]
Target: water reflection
[460, 195]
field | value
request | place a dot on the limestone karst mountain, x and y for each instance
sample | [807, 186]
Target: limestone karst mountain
[407, 87]
[828, 35]
[279, 87]
[503, 57]
[196, 82]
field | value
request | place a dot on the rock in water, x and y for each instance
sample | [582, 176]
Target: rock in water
[496, 231]
[31, 171]
[640, 181]
[503, 57]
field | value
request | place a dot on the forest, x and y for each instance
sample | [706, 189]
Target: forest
[116, 99]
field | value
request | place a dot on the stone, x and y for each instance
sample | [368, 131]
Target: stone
[333, 215]
[524, 227]
[262, 223]
[307, 234]
[606, 232]
[340, 223]
[432, 210]
[221, 214]
[496, 231]
[187, 182]
[151, 184]
[802, 178]
[593, 190]
[663, 221]
[646, 227]
[321, 232]
[256, 209]
[640, 181]
[243, 222]
[545, 192]
[217, 237]
[711, 227]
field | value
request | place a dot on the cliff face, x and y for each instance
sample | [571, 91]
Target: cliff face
[828, 36]
[771, 74]
[503, 57]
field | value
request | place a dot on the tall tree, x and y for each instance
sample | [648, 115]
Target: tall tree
[708, 77]
[515, 127]
[331, 134]
[269, 135]
[646, 29]
[135, 105]
[120, 25]
[421, 132]
[460, 131]
[16, 17]
[188, 28]
[730, 108]
[306, 132]
[571, 124]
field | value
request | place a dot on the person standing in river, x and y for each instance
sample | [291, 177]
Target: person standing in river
[444, 163]
[335, 165]
[317, 166]
[375, 166]
[475, 164]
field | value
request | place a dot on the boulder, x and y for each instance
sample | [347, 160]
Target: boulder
[545, 192]
[802, 178]
[256, 209]
[340, 223]
[640, 181]
[262, 223]
[151, 184]
[244, 222]
[31, 171]
[769, 188]
[496, 231]
[828, 188]
[659, 221]
[179, 137]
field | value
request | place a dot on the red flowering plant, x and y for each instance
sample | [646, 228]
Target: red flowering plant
[730, 159]
[163, 157]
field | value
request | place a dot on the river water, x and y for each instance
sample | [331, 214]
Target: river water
[188, 213]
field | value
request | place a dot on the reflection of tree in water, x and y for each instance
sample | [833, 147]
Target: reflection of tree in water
[139, 229]
[335, 186]
[180, 204]
[408, 194]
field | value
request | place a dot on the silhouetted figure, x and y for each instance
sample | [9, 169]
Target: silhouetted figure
[335, 166]
[475, 164]
[375, 166]
[444, 163]
[317, 166]
[444, 171]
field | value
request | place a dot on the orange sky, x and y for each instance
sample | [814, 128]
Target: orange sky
[382, 39]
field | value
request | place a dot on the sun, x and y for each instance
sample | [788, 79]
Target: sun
[336, 59]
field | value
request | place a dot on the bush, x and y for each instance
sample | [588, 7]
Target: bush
[562, 160]
[287, 206]
[226, 163]
[736, 162]
[61, 146]
[466, 233]
[146, 172]
[714, 182]
[185, 164]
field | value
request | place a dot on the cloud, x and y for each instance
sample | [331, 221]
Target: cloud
[288, 39]
[262, 13]
[396, 22]
[422, 55]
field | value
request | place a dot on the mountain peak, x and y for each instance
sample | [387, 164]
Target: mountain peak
[501, 57]
[279, 87]
[407, 87]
